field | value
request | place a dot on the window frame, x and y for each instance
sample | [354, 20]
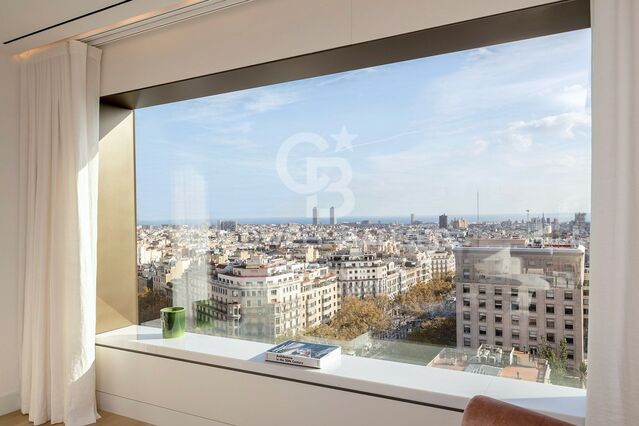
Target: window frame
[512, 26]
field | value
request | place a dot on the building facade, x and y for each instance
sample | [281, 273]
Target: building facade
[460, 223]
[265, 296]
[442, 263]
[228, 225]
[321, 296]
[514, 297]
[269, 298]
[360, 274]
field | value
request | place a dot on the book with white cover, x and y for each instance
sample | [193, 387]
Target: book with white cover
[304, 354]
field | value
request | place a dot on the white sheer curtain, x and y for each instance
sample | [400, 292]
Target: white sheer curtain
[613, 373]
[59, 90]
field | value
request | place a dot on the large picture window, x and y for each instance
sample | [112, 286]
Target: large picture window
[411, 211]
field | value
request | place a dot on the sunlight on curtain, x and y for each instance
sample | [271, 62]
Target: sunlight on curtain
[59, 92]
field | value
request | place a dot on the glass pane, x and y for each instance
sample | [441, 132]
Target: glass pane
[432, 211]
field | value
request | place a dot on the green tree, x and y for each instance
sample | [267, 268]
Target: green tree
[546, 351]
[557, 360]
[150, 303]
[421, 296]
[582, 372]
[563, 354]
[438, 331]
[356, 317]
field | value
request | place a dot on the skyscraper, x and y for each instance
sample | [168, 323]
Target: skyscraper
[443, 221]
[315, 216]
[412, 218]
[332, 222]
[228, 225]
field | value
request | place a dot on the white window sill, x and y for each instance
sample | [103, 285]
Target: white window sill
[419, 384]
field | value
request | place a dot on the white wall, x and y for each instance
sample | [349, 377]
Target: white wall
[266, 30]
[9, 387]
[260, 31]
[167, 392]
[257, 32]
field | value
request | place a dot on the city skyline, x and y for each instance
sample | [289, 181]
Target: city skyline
[511, 121]
[400, 219]
[424, 290]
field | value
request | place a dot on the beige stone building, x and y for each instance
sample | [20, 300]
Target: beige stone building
[442, 263]
[362, 274]
[321, 296]
[514, 296]
[268, 298]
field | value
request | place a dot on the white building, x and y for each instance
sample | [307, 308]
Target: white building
[270, 297]
[359, 274]
[442, 262]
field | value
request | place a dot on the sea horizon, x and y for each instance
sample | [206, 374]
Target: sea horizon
[384, 220]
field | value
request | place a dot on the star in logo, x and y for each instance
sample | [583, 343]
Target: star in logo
[344, 140]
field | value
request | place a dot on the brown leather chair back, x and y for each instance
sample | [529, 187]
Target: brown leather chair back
[485, 411]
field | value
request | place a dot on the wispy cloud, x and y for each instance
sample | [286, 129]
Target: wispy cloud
[479, 146]
[574, 97]
[387, 139]
[480, 54]
[561, 125]
[520, 136]
[237, 107]
[345, 76]
[267, 100]
[503, 80]
[511, 121]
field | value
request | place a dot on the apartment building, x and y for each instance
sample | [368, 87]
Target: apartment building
[268, 298]
[321, 296]
[394, 278]
[362, 274]
[515, 296]
[586, 306]
[460, 223]
[190, 287]
[442, 263]
[227, 225]
[168, 271]
[263, 295]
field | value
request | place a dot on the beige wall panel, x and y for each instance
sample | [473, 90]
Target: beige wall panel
[116, 292]
[373, 19]
[268, 30]
[251, 33]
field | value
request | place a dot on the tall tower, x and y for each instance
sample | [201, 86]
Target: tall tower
[443, 221]
[332, 222]
[477, 207]
[315, 216]
[412, 218]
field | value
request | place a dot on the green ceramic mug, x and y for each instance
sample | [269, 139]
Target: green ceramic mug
[173, 322]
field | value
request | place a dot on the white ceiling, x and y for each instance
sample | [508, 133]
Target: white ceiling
[20, 17]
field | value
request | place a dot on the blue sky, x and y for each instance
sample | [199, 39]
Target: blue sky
[511, 121]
